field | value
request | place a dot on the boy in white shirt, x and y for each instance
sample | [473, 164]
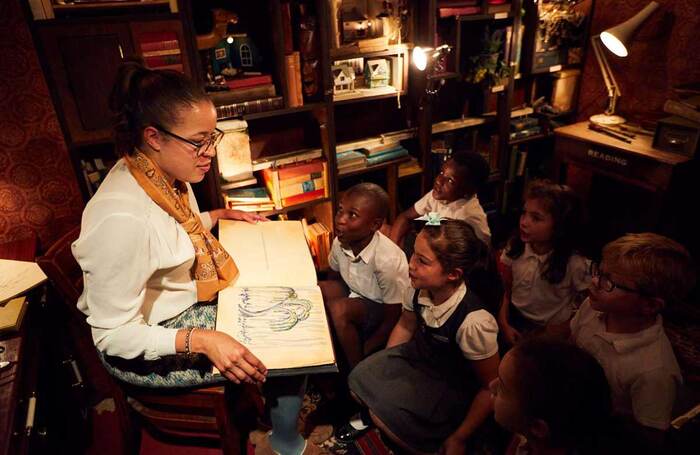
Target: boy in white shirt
[370, 274]
[453, 196]
[620, 324]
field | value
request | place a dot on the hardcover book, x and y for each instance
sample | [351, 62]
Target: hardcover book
[275, 307]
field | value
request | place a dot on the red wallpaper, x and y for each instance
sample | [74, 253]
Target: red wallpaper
[38, 189]
[665, 52]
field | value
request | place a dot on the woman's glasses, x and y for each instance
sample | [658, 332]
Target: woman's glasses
[200, 147]
[606, 283]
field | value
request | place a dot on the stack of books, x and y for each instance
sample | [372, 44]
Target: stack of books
[296, 183]
[447, 8]
[247, 94]
[161, 50]
[318, 237]
[384, 152]
[254, 199]
[350, 160]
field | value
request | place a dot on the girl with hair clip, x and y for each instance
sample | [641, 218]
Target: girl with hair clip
[428, 390]
[152, 269]
[544, 278]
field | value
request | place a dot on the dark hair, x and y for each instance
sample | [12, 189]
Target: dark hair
[564, 386]
[375, 194]
[475, 168]
[565, 207]
[456, 245]
[143, 97]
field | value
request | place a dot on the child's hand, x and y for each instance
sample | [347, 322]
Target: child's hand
[453, 445]
[511, 335]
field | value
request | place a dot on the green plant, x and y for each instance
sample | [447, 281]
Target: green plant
[488, 67]
[560, 24]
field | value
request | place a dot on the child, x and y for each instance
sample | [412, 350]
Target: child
[429, 388]
[543, 276]
[365, 304]
[620, 324]
[553, 396]
[453, 196]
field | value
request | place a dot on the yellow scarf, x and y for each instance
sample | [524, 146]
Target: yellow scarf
[213, 267]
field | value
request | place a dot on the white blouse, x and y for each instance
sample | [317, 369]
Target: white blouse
[136, 261]
[469, 210]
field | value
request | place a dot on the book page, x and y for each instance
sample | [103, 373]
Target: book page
[17, 277]
[273, 253]
[285, 327]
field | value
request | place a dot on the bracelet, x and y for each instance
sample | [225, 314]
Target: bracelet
[188, 337]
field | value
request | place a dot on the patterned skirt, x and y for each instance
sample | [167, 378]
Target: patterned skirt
[173, 370]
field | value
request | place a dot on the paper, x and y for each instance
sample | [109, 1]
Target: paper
[17, 277]
[274, 307]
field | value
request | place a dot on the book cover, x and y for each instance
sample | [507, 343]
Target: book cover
[460, 11]
[295, 170]
[374, 151]
[255, 194]
[161, 53]
[238, 183]
[387, 156]
[249, 81]
[288, 190]
[299, 96]
[18, 277]
[275, 307]
[304, 197]
[290, 81]
[243, 94]
[11, 314]
[249, 107]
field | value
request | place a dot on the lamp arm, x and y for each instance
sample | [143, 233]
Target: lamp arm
[608, 77]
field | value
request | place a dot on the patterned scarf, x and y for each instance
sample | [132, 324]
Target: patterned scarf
[213, 268]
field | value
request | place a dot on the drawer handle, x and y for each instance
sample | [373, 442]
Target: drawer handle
[31, 412]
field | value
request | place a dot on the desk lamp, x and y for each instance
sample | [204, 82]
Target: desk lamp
[428, 58]
[616, 39]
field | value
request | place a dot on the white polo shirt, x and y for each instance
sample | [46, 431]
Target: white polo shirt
[469, 210]
[641, 368]
[136, 261]
[478, 333]
[539, 300]
[379, 273]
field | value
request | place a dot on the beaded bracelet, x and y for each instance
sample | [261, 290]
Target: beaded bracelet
[188, 337]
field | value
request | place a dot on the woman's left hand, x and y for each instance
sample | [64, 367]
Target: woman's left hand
[250, 217]
[453, 445]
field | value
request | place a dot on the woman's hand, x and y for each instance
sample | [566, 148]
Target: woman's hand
[230, 357]
[454, 445]
[250, 217]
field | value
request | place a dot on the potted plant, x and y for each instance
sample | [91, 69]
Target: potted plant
[488, 68]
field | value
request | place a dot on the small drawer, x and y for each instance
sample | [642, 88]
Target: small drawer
[677, 136]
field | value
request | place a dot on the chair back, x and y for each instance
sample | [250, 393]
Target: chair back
[62, 269]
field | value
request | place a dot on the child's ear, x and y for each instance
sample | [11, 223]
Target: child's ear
[653, 305]
[539, 429]
[456, 274]
[377, 224]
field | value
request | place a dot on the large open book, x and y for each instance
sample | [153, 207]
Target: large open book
[275, 307]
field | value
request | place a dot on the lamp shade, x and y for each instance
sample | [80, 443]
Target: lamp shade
[617, 38]
[420, 57]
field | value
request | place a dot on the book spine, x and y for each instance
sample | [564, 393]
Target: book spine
[162, 60]
[249, 107]
[296, 170]
[303, 178]
[380, 151]
[150, 46]
[290, 81]
[271, 179]
[243, 94]
[250, 81]
[304, 197]
[297, 79]
[463, 11]
[161, 53]
[682, 110]
[386, 156]
[287, 190]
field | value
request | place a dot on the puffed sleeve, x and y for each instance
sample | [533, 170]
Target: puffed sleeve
[477, 336]
[580, 272]
[117, 261]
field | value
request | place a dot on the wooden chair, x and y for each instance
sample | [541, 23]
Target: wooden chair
[224, 413]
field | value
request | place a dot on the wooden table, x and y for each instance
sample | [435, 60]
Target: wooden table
[635, 164]
[18, 381]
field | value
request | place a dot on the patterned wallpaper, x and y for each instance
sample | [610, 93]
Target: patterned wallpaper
[665, 52]
[38, 188]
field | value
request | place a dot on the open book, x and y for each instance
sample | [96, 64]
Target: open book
[275, 307]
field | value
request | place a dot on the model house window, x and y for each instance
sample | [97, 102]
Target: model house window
[246, 55]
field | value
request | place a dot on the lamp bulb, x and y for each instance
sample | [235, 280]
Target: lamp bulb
[420, 58]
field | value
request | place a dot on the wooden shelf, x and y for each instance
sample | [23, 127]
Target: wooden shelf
[484, 17]
[459, 123]
[534, 137]
[395, 49]
[373, 167]
[366, 94]
[295, 207]
[278, 112]
[59, 7]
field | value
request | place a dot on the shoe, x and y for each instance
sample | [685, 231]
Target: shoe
[346, 434]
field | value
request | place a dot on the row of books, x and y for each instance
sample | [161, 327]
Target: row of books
[319, 239]
[161, 50]
[447, 8]
[369, 156]
[296, 183]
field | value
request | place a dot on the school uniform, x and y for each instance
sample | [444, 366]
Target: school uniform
[469, 210]
[641, 368]
[379, 274]
[422, 389]
[536, 299]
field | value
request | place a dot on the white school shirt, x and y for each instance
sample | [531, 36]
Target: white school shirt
[469, 210]
[478, 333]
[536, 298]
[379, 273]
[136, 261]
[641, 368]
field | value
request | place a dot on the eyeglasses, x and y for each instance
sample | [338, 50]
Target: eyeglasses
[200, 147]
[606, 284]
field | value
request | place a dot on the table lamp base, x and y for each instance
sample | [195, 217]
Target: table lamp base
[605, 119]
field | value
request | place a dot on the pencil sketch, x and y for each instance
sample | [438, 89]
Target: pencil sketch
[277, 309]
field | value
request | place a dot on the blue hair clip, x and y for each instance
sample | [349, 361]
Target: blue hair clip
[431, 219]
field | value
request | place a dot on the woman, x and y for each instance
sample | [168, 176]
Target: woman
[151, 268]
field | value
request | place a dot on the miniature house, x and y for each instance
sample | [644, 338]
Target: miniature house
[343, 78]
[376, 73]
